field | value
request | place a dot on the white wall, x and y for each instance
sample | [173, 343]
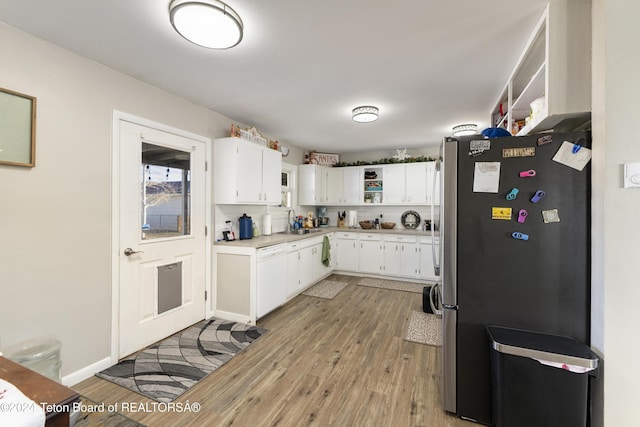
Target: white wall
[616, 230]
[55, 219]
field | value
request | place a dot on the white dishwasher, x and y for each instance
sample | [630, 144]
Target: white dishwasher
[272, 285]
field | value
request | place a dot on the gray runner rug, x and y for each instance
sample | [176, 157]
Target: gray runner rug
[170, 367]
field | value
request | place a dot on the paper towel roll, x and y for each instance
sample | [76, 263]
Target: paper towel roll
[353, 219]
[266, 225]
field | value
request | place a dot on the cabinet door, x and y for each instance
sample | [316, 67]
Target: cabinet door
[370, 257]
[307, 274]
[249, 173]
[352, 185]
[335, 194]
[416, 183]
[426, 261]
[293, 273]
[346, 255]
[392, 258]
[393, 186]
[312, 185]
[433, 192]
[410, 260]
[271, 176]
[306, 184]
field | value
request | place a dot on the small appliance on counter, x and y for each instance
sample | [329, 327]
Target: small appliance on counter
[323, 219]
[246, 227]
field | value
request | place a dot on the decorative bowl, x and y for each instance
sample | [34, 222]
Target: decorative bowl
[367, 225]
[388, 225]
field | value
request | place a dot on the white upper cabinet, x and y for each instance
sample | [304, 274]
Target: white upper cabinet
[344, 186]
[312, 185]
[554, 70]
[405, 184]
[433, 184]
[246, 173]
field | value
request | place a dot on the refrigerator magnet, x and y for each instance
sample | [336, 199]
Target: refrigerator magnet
[545, 139]
[519, 236]
[478, 146]
[512, 194]
[550, 216]
[486, 177]
[528, 174]
[501, 213]
[537, 196]
[522, 216]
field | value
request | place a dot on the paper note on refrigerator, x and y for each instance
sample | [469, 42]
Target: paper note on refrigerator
[486, 177]
[577, 160]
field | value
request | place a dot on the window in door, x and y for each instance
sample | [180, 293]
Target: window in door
[165, 188]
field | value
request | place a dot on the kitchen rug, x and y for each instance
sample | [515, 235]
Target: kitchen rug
[424, 328]
[395, 285]
[326, 289]
[93, 414]
[165, 370]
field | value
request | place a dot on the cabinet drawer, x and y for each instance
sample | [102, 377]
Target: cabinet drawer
[370, 237]
[398, 238]
[428, 239]
[305, 243]
[346, 235]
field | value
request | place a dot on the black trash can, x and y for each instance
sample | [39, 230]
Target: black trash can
[538, 379]
[426, 305]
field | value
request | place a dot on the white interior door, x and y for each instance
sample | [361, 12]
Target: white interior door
[162, 243]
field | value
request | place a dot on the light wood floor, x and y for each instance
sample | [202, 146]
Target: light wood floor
[339, 362]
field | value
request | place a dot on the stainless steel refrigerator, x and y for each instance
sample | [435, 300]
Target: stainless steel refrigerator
[501, 266]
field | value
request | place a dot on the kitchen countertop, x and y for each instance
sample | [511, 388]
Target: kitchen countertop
[277, 238]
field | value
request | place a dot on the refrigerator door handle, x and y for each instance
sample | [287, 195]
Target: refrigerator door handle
[436, 174]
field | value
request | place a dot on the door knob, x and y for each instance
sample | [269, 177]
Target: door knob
[129, 252]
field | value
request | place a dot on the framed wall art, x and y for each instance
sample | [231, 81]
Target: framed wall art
[17, 129]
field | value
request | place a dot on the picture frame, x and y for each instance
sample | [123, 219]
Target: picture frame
[17, 129]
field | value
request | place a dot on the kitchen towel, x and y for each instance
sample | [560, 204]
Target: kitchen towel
[326, 251]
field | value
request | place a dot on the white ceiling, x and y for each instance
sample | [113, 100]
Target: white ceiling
[302, 66]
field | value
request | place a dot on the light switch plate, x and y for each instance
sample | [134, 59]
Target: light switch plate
[631, 175]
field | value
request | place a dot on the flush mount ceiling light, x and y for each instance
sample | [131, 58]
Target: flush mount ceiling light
[464, 130]
[364, 114]
[207, 23]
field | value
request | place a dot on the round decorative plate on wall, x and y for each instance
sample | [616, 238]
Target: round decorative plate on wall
[410, 219]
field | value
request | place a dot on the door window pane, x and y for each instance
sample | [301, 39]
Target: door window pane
[165, 191]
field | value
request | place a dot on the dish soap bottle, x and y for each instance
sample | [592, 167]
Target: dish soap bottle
[256, 233]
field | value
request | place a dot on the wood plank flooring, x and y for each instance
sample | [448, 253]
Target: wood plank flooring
[339, 362]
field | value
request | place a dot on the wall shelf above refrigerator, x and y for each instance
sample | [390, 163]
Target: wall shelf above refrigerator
[554, 69]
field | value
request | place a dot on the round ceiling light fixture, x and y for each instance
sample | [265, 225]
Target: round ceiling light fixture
[464, 130]
[207, 23]
[365, 114]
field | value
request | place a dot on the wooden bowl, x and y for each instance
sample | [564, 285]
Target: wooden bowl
[388, 225]
[367, 225]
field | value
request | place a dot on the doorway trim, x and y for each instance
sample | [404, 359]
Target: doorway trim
[118, 117]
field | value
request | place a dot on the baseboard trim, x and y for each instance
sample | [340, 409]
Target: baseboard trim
[232, 317]
[87, 372]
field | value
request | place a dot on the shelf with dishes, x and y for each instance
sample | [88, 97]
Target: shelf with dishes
[373, 185]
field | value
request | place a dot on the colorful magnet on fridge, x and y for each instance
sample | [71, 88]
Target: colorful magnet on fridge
[527, 174]
[522, 216]
[513, 194]
[537, 196]
[520, 236]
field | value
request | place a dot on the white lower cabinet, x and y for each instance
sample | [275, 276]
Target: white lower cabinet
[401, 255]
[371, 254]
[426, 251]
[346, 251]
[294, 285]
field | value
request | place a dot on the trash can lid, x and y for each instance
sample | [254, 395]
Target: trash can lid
[555, 349]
